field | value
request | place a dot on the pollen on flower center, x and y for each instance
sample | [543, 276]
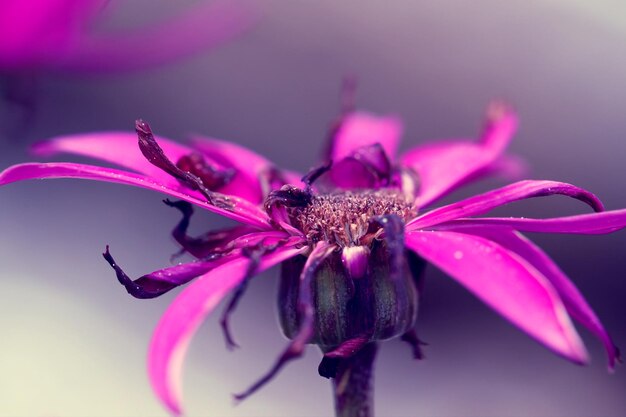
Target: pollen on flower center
[344, 217]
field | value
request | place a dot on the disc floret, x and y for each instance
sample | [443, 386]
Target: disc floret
[344, 217]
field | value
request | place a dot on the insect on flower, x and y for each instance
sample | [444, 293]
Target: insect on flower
[352, 238]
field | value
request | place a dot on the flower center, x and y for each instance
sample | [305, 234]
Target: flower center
[344, 217]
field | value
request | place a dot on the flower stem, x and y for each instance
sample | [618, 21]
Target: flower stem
[353, 384]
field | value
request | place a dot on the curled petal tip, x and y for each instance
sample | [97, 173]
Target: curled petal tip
[236, 399]
[41, 148]
[142, 127]
[107, 255]
[579, 354]
[184, 207]
[498, 109]
[500, 126]
[615, 359]
[175, 409]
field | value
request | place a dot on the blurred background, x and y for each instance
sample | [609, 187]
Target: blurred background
[74, 343]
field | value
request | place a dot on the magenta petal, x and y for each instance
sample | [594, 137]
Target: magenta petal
[360, 129]
[38, 32]
[292, 177]
[366, 167]
[508, 167]
[231, 154]
[375, 158]
[483, 203]
[202, 27]
[355, 260]
[573, 300]
[159, 282]
[231, 207]
[118, 148]
[505, 282]
[349, 173]
[442, 167]
[279, 216]
[500, 126]
[407, 181]
[176, 327]
[254, 172]
[121, 148]
[587, 224]
[192, 171]
[270, 238]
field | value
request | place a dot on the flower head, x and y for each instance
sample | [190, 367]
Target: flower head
[352, 237]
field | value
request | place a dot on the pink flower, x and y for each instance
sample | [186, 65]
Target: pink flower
[57, 35]
[352, 237]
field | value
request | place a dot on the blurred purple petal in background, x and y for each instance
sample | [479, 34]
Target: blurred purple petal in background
[59, 35]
